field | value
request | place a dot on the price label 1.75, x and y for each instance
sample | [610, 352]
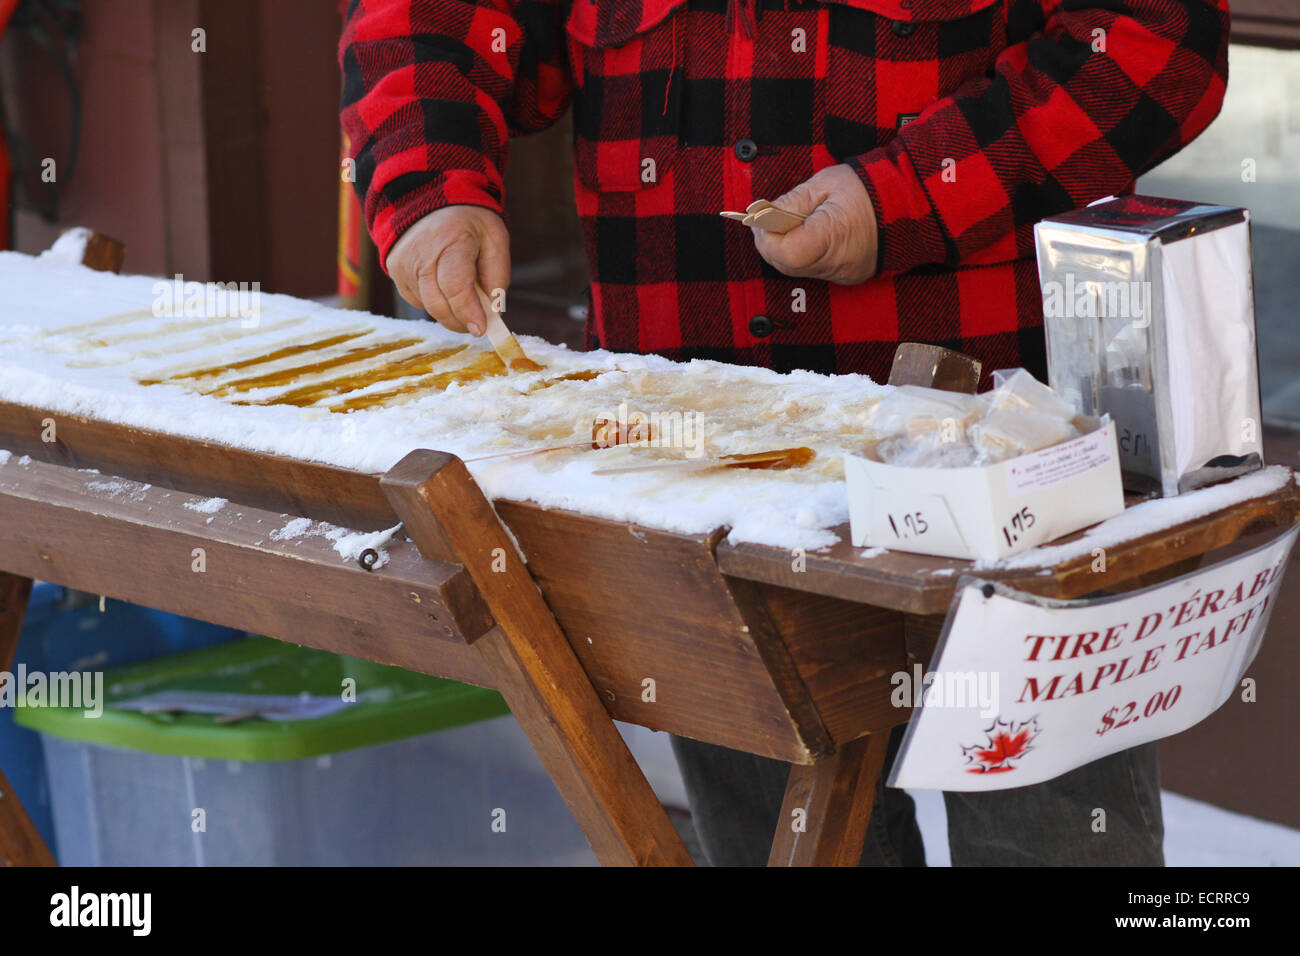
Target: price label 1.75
[900, 517]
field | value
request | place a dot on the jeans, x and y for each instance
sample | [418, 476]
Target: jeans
[736, 800]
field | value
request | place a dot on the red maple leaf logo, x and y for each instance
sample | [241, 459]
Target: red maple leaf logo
[1006, 741]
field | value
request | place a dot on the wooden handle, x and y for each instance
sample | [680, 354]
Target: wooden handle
[918, 363]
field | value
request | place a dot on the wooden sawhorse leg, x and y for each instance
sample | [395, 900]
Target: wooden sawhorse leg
[20, 844]
[828, 805]
[449, 519]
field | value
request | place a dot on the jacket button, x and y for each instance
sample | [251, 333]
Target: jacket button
[760, 326]
[746, 150]
[903, 28]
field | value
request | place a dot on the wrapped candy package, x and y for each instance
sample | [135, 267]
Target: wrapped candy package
[917, 427]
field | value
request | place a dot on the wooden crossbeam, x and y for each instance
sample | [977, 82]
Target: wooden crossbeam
[235, 566]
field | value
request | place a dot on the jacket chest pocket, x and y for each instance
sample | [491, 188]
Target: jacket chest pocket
[628, 91]
[887, 60]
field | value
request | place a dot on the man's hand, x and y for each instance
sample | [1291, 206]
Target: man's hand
[837, 240]
[436, 262]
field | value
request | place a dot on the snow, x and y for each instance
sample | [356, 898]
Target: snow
[347, 542]
[4, 457]
[209, 507]
[110, 487]
[873, 552]
[75, 341]
[294, 529]
[350, 544]
[1149, 517]
[115, 487]
[69, 248]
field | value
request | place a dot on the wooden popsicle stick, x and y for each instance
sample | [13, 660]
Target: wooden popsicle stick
[524, 453]
[759, 205]
[775, 220]
[503, 341]
[763, 214]
[797, 456]
[704, 464]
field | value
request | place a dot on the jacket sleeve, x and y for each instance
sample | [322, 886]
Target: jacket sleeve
[432, 90]
[1103, 93]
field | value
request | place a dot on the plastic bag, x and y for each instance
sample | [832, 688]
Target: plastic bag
[1015, 388]
[916, 427]
[919, 413]
[1007, 432]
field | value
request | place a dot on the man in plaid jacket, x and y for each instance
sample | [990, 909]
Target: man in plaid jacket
[922, 139]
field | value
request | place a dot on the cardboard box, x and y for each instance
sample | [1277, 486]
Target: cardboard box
[986, 512]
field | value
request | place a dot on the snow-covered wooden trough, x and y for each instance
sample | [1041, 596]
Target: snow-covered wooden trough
[234, 467]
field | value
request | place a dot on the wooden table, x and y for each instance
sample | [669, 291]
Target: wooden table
[743, 649]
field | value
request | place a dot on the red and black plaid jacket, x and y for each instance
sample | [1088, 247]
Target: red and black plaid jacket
[967, 120]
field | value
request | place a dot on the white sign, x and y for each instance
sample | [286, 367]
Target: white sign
[1024, 689]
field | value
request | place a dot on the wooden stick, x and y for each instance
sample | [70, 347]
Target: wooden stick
[758, 459]
[447, 516]
[763, 214]
[503, 341]
[774, 220]
[530, 451]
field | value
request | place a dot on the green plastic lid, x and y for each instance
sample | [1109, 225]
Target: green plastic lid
[390, 704]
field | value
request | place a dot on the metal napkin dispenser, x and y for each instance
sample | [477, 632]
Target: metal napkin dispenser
[1150, 318]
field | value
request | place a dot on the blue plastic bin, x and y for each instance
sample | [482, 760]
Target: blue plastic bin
[65, 631]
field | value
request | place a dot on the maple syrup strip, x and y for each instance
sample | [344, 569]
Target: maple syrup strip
[251, 358]
[586, 375]
[263, 358]
[314, 392]
[108, 321]
[294, 374]
[187, 345]
[166, 331]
